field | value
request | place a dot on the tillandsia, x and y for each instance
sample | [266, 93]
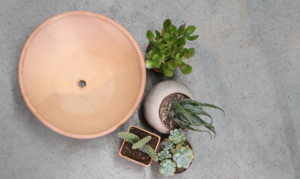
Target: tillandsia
[167, 48]
[139, 143]
[188, 114]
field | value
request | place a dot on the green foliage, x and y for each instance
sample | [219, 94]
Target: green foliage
[164, 154]
[149, 150]
[188, 114]
[183, 156]
[168, 50]
[129, 137]
[169, 145]
[177, 136]
[167, 167]
[139, 144]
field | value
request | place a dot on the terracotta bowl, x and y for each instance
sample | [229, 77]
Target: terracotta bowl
[82, 74]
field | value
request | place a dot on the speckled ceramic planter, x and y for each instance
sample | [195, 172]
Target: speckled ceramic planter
[156, 96]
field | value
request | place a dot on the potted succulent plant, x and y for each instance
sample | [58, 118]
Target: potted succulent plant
[166, 51]
[175, 153]
[170, 105]
[139, 145]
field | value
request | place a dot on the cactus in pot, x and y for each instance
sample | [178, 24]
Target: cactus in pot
[139, 144]
[168, 50]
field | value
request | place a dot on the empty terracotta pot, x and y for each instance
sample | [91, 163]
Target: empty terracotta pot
[82, 74]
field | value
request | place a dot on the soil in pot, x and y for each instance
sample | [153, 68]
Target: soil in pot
[136, 154]
[149, 47]
[165, 109]
[177, 170]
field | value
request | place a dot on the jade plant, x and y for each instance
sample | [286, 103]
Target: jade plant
[167, 48]
[171, 157]
[188, 114]
[140, 144]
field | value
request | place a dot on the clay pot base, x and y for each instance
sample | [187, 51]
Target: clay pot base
[165, 108]
[135, 154]
[82, 74]
[177, 170]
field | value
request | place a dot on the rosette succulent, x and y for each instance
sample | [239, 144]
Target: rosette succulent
[183, 156]
[167, 48]
[177, 136]
[164, 154]
[139, 144]
[169, 145]
[167, 167]
[188, 114]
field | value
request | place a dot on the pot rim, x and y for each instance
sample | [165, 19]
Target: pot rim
[161, 107]
[188, 145]
[158, 142]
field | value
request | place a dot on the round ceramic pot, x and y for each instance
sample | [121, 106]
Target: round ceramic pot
[147, 50]
[156, 96]
[187, 144]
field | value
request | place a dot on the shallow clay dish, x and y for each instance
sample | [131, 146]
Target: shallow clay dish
[82, 74]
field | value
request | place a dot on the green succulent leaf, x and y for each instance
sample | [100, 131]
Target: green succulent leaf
[181, 30]
[162, 46]
[190, 29]
[153, 51]
[157, 34]
[166, 24]
[191, 52]
[156, 57]
[181, 48]
[172, 65]
[167, 167]
[129, 137]
[192, 109]
[150, 64]
[167, 37]
[153, 44]
[172, 28]
[173, 38]
[183, 111]
[191, 38]
[167, 72]
[180, 41]
[141, 142]
[185, 69]
[196, 103]
[150, 35]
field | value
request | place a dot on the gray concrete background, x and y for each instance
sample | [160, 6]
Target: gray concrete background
[247, 61]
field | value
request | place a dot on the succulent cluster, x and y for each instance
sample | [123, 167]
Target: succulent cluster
[171, 157]
[188, 114]
[139, 143]
[168, 50]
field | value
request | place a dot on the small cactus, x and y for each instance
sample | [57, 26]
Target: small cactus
[129, 137]
[183, 156]
[149, 150]
[141, 143]
[177, 136]
[169, 145]
[167, 167]
[164, 154]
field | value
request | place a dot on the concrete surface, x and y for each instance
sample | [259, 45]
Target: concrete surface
[247, 61]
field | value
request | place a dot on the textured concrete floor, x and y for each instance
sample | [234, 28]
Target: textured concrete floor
[247, 61]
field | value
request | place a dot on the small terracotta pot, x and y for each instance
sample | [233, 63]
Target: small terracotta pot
[147, 50]
[156, 96]
[156, 147]
[188, 145]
